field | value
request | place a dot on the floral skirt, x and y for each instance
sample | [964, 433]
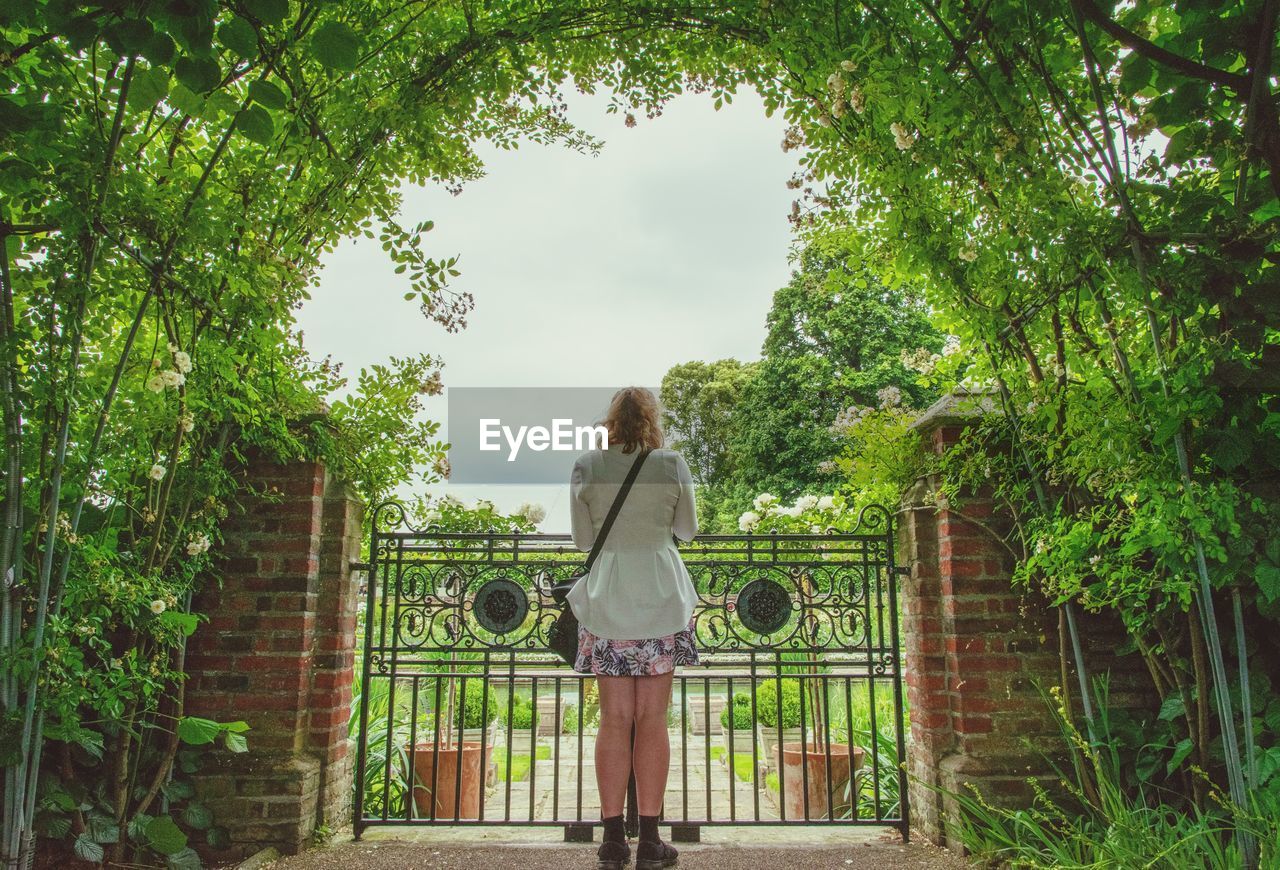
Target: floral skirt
[634, 658]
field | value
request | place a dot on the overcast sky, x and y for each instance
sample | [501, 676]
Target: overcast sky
[586, 271]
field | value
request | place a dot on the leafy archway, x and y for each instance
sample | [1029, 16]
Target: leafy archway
[1087, 195]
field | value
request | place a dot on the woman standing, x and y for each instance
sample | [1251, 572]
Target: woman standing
[635, 613]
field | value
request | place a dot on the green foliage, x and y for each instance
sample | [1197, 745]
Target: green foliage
[1113, 825]
[521, 713]
[740, 708]
[767, 703]
[1088, 200]
[835, 338]
[699, 402]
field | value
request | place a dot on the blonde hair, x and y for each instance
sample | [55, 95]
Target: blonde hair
[633, 420]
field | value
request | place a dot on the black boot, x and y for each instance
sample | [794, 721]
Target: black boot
[652, 853]
[614, 853]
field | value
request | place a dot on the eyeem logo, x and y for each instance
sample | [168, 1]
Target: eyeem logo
[523, 435]
[562, 435]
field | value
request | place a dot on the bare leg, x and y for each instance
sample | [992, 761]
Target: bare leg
[653, 747]
[613, 742]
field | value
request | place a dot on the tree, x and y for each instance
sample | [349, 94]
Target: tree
[698, 402]
[836, 337]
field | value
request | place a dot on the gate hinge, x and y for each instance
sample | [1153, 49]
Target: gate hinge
[902, 570]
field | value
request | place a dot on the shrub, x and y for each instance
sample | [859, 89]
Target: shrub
[767, 703]
[521, 712]
[741, 707]
[472, 711]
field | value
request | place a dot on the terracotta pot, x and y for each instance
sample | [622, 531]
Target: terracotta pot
[769, 737]
[440, 761]
[792, 777]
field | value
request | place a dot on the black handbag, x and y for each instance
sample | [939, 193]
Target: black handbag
[562, 637]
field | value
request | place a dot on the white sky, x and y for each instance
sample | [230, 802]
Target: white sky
[602, 271]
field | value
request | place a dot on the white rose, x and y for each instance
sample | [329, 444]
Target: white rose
[827, 503]
[187, 421]
[157, 472]
[172, 378]
[748, 521]
[807, 502]
[155, 383]
[534, 513]
[968, 254]
[158, 606]
[764, 499]
[182, 361]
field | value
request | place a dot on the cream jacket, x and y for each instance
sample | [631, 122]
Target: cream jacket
[638, 587]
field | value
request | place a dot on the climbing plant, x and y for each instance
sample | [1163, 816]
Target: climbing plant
[1086, 194]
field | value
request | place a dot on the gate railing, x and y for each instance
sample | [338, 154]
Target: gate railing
[793, 716]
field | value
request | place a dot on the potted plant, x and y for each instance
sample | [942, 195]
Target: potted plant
[742, 738]
[815, 775]
[450, 772]
[774, 710]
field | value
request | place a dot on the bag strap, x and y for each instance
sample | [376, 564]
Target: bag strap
[616, 507]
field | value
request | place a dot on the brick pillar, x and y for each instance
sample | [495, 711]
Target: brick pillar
[976, 648]
[277, 653]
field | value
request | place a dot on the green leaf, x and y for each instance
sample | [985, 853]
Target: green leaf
[200, 74]
[129, 36]
[148, 87]
[187, 623]
[336, 46]
[138, 827]
[256, 124]
[197, 731]
[103, 829]
[266, 93]
[184, 859]
[197, 815]
[237, 742]
[160, 48]
[240, 36]
[1267, 577]
[271, 11]
[87, 850]
[1268, 210]
[218, 838]
[1231, 449]
[178, 789]
[165, 836]
[1172, 708]
[1180, 753]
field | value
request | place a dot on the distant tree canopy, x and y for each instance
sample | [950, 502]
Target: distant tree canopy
[836, 338]
[699, 402]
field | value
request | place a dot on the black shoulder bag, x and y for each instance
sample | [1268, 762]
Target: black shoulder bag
[562, 638]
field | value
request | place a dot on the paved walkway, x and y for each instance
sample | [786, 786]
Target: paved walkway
[536, 849]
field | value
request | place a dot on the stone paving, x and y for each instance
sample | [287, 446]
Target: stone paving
[729, 797]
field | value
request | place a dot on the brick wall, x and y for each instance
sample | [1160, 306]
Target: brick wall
[978, 652]
[277, 653]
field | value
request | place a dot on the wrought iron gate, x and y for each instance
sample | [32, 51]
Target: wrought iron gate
[466, 719]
